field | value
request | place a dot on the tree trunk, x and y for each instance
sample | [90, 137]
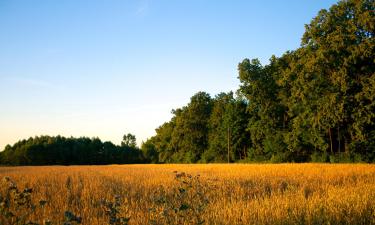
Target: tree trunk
[330, 139]
[228, 144]
[339, 138]
[346, 146]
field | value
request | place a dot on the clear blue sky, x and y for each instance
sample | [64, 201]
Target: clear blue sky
[105, 68]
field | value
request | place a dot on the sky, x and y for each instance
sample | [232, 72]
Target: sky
[102, 69]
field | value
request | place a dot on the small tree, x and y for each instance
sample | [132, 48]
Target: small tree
[129, 140]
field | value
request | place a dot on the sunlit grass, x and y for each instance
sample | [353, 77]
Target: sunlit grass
[236, 194]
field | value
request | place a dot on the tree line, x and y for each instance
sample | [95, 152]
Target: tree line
[315, 103]
[47, 150]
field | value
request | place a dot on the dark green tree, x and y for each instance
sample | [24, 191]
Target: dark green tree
[266, 112]
[129, 140]
[149, 151]
[332, 81]
[47, 150]
[227, 137]
[190, 136]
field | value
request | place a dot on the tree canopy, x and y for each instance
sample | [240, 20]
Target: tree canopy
[46, 150]
[315, 103]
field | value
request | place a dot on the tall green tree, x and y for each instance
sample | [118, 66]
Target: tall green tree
[129, 140]
[266, 113]
[218, 130]
[190, 136]
[227, 137]
[236, 121]
[332, 79]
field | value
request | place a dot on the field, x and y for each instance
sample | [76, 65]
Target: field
[191, 194]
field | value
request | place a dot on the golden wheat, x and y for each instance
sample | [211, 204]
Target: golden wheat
[235, 194]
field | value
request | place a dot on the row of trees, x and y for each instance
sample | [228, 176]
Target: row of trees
[46, 150]
[202, 131]
[314, 103]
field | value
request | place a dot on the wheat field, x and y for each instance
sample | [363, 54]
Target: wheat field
[196, 194]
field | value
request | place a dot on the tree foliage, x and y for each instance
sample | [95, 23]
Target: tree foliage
[129, 140]
[46, 150]
[314, 103]
[200, 131]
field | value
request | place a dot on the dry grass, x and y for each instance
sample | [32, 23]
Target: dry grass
[235, 194]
